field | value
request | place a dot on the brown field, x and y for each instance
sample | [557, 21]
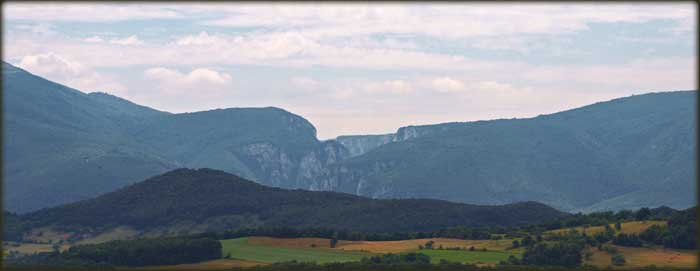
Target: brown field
[640, 257]
[222, 264]
[46, 234]
[408, 245]
[381, 246]
[634, 227]
[290, 242]
[118, 233]
[32, 248]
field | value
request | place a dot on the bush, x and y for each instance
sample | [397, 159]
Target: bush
[617, 260]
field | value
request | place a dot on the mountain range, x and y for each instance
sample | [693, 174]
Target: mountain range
[62, 145]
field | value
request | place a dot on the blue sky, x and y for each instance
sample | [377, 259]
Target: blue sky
[359, 68]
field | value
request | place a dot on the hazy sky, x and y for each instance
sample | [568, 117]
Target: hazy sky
[359, 68]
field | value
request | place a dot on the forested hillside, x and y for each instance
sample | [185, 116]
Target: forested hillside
[210, 200]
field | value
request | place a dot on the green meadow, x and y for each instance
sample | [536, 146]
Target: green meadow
[240, 249]
[465, 256]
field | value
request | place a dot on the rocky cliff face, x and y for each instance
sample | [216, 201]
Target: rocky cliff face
[360, 144]
[274, 166]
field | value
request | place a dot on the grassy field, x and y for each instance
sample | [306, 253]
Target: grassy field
[269, 250]
[465, 256]
[290, 242]
[634, 227]
[410, 245]
[243, 250]
[639, 257]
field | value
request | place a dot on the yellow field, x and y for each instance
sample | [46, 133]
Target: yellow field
[637, 257]
[409, 245]
[222, 264]
[32, 248]
[634, 227]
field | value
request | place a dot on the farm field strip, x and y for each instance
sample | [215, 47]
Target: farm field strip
[634, 227]
[640, 257]
[411, 245]
[472, 257]
[240, 249]
[221, 264]
[269, 250]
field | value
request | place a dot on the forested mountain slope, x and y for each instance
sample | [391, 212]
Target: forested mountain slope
[210, 200]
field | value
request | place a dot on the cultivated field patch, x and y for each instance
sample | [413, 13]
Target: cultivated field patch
[241, 249]
[637, 257]
[471, 257]
[634, 227]
[290, 242]
[410, 245]
[221, 264]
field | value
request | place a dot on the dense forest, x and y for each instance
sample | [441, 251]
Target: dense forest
[217, 201]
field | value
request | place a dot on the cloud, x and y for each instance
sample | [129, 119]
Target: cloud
[670, 73]
[86, 12]
[130, 40]
[447, 84]
[390, 86]
[305, 83]
[445, 20]
[93, 39]
[40, 28]
[202, 79]
[202, 39]
[68, 72]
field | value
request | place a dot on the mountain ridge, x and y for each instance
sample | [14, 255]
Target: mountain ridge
[628, 152]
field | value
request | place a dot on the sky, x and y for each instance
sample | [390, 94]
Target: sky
[359, 68]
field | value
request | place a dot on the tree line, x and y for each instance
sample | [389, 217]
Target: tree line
[138, 252]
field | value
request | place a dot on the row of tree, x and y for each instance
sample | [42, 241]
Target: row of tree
[139, 252]
[679, 233]
[289, 232]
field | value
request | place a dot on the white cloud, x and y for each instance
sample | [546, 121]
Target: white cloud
[494, 86]
[71, 73]
[305, 83]
[93, 39]
[85, 12]
[51, 63]
[40, 28]
[650, 73]
[202, 79]
[447, 84]
[390, 86]
[446, 20]
[202, 39]
[130, 40]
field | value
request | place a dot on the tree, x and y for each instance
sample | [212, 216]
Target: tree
[516, 244]
[617, 260]
[513, 260]
[643, 214]
[618, 226]
[629, 240]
